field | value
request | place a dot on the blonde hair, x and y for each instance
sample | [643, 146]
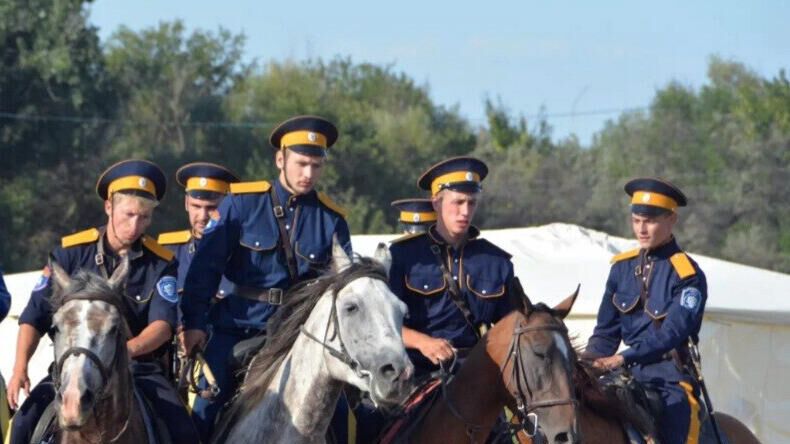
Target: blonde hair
[145, 202]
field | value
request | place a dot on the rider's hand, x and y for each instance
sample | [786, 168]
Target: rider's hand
[193, 340]
[436, 349]
[609, 363]
[19, 381]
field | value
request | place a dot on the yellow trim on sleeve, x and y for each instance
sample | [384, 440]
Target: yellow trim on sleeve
[260, 186]
[694, 425]
[654, 199]
[682, 265]
[81, 238]
[206, 184]
[303, 138]
[157, 249]
[625, 255]
[329, 203]
[174, 237]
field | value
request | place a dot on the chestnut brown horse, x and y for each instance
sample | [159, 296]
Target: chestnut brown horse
[502, 370]
[599, 417]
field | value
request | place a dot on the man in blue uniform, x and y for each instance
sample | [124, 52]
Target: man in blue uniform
[452, 281]
[416, 215]
[131, 190]
[266, 237]
[5, 299]
[654, 300]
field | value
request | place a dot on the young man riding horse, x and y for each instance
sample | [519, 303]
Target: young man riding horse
[131, 190]
[654, 301]
[266, 238]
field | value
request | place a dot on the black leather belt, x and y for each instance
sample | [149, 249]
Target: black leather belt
[273, 296]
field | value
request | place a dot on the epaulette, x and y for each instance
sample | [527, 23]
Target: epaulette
[83, 237]
[329, 203]
[406, 237]
[625, 255]
[153, 246]
[682, 265]
[174, 237]
[260, 186]
[495, 247]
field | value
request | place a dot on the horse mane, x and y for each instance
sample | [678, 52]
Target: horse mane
[284, 326]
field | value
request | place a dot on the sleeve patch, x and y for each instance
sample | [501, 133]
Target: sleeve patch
[690, 298]
[43, 280]
[213, 221]
[167, 288]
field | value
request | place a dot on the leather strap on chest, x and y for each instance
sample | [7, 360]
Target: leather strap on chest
[285, 240]
[453, 290]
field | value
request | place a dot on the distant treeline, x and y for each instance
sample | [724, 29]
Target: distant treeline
[71, 105]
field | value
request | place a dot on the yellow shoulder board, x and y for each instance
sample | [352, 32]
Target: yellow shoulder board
[157, 249]
[625, 255]
[682, 265]
[83, 237]
[260, 186]
[406, 237]
[174, 237]
[329, 203]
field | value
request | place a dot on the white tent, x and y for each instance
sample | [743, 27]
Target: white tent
[745, 340]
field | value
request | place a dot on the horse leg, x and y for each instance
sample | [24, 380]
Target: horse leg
[735, 430]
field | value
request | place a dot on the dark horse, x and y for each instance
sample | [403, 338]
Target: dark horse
[94, 397]
[599, 416]
[520, 364]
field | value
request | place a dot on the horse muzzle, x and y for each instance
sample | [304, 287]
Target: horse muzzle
[392, 383]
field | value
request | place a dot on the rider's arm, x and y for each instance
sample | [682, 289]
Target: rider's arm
[606, 337]
[344, 236]
[26, 343]
[682, 320]
[5, 299]
[208, 265]
[151, 338]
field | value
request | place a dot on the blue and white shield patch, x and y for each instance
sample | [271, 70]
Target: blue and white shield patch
[42, 281]
[690, 298]
[167, 289]
[212, 223]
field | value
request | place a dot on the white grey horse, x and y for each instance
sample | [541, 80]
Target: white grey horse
[343, 328]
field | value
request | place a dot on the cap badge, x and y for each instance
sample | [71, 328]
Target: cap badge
[469, 176]
[203, 181]
[311, 136]
[646, 197]
[416, 218]
[142, 182]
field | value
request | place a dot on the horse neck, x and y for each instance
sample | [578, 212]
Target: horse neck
[300, 394]
[477, 392]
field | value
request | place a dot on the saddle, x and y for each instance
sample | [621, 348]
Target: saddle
[243, 352]
[644, 402]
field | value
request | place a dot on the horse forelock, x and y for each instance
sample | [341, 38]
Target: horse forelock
[284, 326]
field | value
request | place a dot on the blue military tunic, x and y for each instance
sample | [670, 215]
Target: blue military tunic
[654, 302]
[243, 245]
[5, 299]
[482, 271]
[150, 288]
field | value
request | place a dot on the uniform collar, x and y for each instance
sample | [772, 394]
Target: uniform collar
[433, 233]
[289, 199]
[103, 246]
[664, 251]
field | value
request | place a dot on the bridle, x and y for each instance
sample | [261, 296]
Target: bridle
[104, 371]
[525, 405]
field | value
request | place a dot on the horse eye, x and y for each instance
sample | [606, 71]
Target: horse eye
[351, 308]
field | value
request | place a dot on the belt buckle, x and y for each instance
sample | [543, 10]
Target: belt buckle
[279, 212]
[275, 296]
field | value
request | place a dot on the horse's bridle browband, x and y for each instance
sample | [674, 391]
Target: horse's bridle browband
[524, 408]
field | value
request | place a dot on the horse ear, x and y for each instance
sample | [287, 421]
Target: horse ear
[340, 260]
[383, 255]
[563, 308]
[519, 298]
[59, 275]
[118, 279]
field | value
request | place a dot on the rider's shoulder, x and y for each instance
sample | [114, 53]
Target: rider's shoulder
[154, 247]
[327, 202]
[682, 264]
[260, 186]
[174, 237]
[625, 255]
[84, 237]
[492, 248]
[407, 239]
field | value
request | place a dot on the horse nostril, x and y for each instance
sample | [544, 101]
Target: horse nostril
[387, 371]
[561, 437]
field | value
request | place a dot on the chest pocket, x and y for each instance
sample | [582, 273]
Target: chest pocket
[426, 282]
[625, 302]
[485, 288]
[313, 254]
[657, 306]
[257, 242]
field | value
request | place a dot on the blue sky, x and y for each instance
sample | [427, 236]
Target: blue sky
[573, 58]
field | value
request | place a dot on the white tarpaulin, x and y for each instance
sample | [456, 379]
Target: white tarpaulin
[745, 339]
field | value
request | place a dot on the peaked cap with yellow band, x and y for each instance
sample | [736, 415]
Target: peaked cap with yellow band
[652, 197]
[415, 214]
[463, 174]
[140, 177]
[204, 180]
[308, 135]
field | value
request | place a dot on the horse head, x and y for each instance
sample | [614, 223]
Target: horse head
[369, 318]
[90, 340]
[542, 372]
